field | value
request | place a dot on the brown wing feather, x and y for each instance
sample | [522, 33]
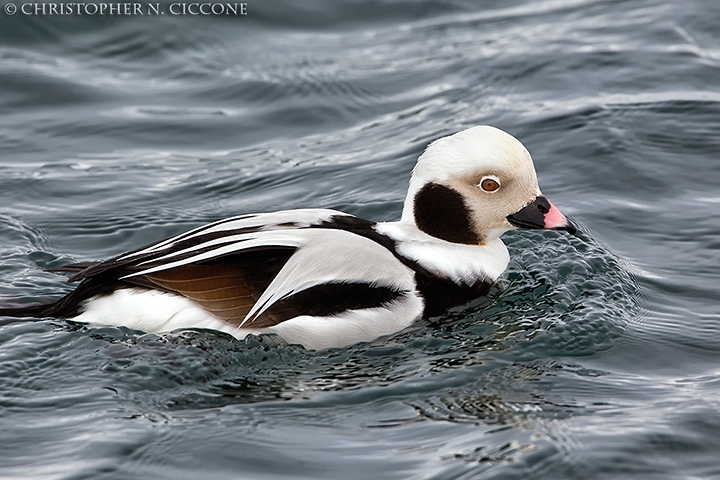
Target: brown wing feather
[227, 288]
[221, 290]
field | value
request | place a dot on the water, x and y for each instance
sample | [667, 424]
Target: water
[596, 357]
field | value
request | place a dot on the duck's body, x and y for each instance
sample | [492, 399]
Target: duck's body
[323, 278]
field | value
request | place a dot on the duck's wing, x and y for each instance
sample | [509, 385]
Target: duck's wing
[226, 286]
[259, 271]
[206, 238]
[263, 278]
[208, 244]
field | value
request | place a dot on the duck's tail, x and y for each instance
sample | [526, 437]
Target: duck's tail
[35, 310]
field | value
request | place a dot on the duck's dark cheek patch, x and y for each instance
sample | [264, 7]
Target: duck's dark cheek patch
[441, 212]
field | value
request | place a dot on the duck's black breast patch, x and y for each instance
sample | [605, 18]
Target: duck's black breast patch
[441, 211]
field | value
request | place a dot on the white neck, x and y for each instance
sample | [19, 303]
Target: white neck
[463, 264]
[408, 215]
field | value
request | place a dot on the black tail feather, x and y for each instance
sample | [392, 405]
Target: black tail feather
[76, 269]
[68, 306]
[65, 307]
[72, 267]
[37, 310]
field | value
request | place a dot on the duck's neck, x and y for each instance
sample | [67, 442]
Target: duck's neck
[461, 263]
[447, 274]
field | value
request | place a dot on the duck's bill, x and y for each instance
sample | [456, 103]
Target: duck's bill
[541, 214]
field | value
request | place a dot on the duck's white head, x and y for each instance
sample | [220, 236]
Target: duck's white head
[473, 186]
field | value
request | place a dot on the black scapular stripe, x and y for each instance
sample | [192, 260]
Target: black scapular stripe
[326, 300]
[360, 227]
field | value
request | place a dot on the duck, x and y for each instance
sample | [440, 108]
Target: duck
[322, 278]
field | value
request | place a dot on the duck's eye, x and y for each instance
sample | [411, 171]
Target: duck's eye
[489, 184]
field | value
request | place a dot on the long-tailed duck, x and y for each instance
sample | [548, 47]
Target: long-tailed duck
[323, 278]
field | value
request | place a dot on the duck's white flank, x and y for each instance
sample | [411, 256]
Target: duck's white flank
[160, 312]
[149, 311]
[352, 326]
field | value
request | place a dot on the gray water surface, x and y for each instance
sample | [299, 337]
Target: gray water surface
[595, 357]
